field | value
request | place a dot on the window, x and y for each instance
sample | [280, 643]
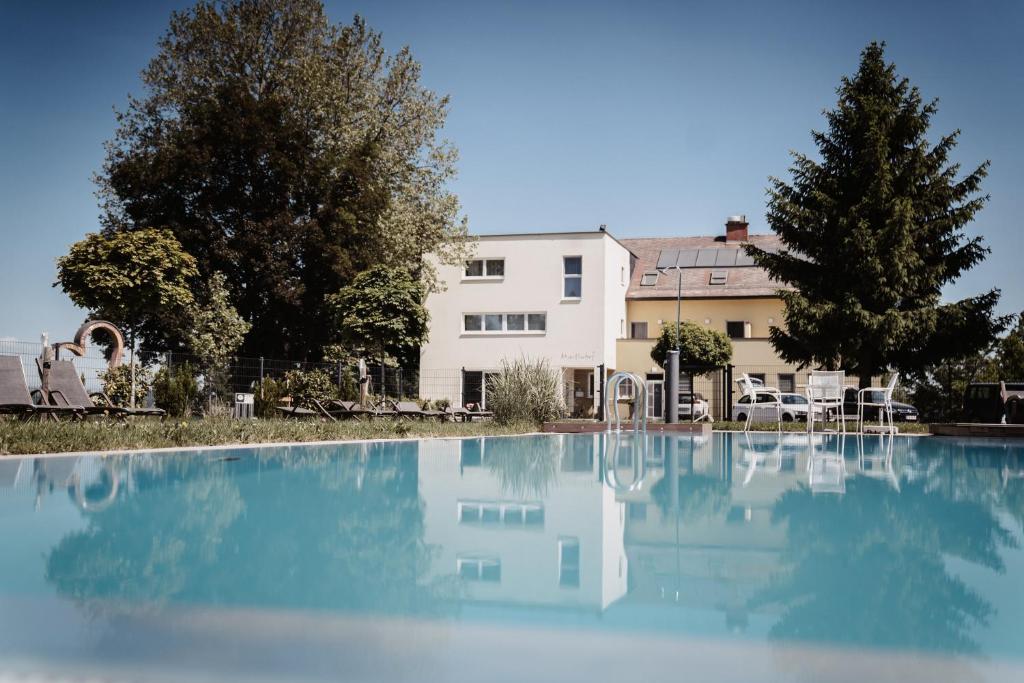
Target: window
[504, 323]
[572, 270]
[622, 275]
[649, 279]
[485, 268]
[718, 277]
[794, 400]
[638, 330]
[501, 514]
[757, 376]
[474, 387]
[569, 562]
[787, 383]
[736, 329]
[479, 568]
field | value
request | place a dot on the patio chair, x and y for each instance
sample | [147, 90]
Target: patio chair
[826, 471]
[65, 388]
[753, 389]
[768, 458]
[305, 407]
[1013, 404]
[878, 397]
[825, 390]
[411, 409]
[15, 398]
[472, 410]
[348, 410]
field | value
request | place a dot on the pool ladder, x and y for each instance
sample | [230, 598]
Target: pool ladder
[614, 438]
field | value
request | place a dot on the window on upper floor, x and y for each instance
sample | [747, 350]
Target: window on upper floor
[572, 271]
[485, 268]
[649, 279]
[787, 383]
[504, 323]
[638, 330]
[736, 329]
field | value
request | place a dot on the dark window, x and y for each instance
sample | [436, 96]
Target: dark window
[495, 267]
[736, 329]
[474, 268]
[472, 387]
[638, 330]
[787, 383]
[758, 376]
[473, 323]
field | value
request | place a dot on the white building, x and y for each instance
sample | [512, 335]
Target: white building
[558, 296]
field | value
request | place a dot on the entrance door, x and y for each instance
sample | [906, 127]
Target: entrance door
[656, 399]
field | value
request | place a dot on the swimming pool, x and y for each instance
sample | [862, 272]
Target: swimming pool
[549, 557]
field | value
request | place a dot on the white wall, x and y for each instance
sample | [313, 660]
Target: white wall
[579, 333]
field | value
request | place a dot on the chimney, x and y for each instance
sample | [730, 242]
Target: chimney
[736, 229]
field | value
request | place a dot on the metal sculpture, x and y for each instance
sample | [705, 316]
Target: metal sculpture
[77, 347]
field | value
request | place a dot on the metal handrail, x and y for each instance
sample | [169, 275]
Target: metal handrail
[611, 387]
[609, 461]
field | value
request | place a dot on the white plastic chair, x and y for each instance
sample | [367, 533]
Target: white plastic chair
[825, 390]
[753, 388]
[865, 399]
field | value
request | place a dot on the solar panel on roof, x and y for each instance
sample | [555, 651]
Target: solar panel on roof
[743, 260]
[726, 257]
[687, 258]
[667, 258]
[706, 258]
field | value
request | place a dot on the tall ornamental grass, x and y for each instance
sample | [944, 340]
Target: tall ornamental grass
[525, 391]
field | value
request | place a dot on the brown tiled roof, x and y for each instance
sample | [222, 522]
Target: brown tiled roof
[743, 281]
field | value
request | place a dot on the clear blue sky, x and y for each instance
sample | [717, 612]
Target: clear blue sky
[655, 118]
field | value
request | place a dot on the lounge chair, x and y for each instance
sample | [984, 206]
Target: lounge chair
[411, 409]
[305, 407]
[474, 410]
[65, 389]
[15, 398]
[349, 410]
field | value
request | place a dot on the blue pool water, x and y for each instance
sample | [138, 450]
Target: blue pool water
[582, 557]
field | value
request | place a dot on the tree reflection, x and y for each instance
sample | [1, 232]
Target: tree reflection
[869, 567]
[700, 496]
[525, 468]
[317, 528]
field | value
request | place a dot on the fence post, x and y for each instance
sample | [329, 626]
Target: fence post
[399, 383]
[339, 375]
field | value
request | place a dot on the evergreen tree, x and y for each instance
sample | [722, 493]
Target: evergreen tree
[872, 232]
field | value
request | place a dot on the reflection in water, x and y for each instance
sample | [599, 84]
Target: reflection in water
[791, 538]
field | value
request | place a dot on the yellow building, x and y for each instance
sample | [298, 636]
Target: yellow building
[720, 288]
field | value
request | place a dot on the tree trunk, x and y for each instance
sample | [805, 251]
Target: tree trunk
[131, 399]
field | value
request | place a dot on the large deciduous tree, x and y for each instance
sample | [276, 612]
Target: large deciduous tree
[289, 154]
[872, 232]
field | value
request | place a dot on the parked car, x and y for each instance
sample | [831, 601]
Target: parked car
[983, 401]
[794, 408]
[700, 406]
[901, 412]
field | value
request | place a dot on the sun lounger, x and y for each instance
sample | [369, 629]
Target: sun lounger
[65, 388]
[473, 410]
[15, 398]
[305, 407]
[410, 409]
[349, 410]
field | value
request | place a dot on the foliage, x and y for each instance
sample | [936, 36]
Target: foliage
[140, 281]
[698, 345]
[268, 395]
[215, 329]
[525, 470]
[176, 390]
[525, 390]
[17, 437]
[381, 314]
[873, 232]
[316, 384]
[700, 497]
[442, 404]
[289, 154]
[840, 551]
[117, 384]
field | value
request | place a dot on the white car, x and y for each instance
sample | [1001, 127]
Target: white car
[794, 408]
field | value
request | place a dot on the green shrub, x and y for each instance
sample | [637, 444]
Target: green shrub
[525, 390]
[117, 384]
[442, 404]
[176, 390]
[316, 384]
[268, 395]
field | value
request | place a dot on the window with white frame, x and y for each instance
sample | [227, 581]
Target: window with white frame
[502, 514]
[478, 568]
[493, 268]
[505, 323]
[572, 272]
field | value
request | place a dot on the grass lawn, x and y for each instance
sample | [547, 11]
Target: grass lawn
[106, 435]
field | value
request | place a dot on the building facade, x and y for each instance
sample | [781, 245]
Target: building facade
[591, 305]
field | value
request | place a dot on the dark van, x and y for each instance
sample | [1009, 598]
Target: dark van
[983, 401]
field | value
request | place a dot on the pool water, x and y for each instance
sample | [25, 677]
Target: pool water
[549, 557]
